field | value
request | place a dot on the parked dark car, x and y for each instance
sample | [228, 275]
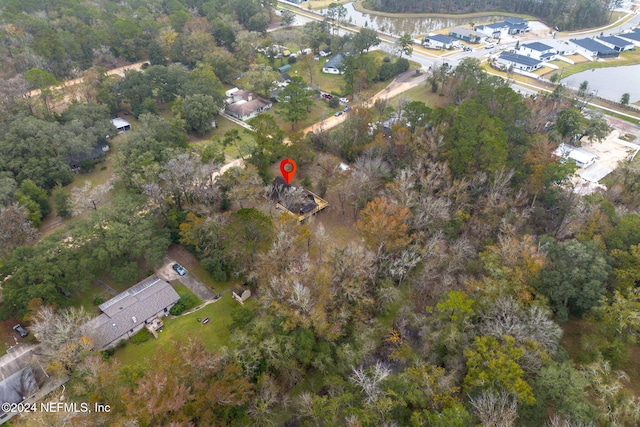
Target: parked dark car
[179, 269]
[347, 108]
[20, 330]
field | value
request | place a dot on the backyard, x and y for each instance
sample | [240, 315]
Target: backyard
[214, 334]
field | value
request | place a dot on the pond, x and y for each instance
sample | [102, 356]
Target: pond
[611, 83]
[414, 26]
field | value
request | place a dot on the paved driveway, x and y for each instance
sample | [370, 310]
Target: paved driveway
[189, 280]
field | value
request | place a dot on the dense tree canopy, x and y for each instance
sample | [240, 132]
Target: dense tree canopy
[566, 16]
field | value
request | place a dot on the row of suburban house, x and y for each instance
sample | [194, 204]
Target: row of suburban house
[245, 105]
[510, 26]
[607, 46]
[531, 56]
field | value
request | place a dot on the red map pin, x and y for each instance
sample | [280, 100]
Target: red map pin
[288, 169]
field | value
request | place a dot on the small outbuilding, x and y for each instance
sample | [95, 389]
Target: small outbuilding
[121, 124]
[241, 295]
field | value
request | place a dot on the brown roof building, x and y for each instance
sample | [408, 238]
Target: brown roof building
[245, 105]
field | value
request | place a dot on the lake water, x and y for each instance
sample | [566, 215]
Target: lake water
[611, 83]
[414, 26]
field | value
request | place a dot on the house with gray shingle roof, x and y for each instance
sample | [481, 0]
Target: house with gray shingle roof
[520, 62]
[132, 310]
[334, 65]
[465, 34]
[615, 43]
[538, 50]
[441, 41]
[632, 36]
[245, 105]
[592, 49]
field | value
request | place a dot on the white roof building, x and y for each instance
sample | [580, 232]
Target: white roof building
[582, 157]
[121, 124]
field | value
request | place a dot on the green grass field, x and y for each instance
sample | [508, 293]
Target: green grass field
[213, 335]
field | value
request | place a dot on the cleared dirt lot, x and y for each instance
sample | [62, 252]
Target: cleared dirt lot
[610, 152]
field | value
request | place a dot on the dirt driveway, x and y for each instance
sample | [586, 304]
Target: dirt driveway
[167, 273]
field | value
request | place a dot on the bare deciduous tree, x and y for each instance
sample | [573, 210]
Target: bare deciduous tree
[495, 409]
[89, 196]
[15, 228]
[64, 337]
[369, 379]
[559, 421]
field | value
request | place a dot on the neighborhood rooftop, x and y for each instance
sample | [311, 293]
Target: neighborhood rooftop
[519, 59]
[616, 41]
[593, 46]
[540, 47]
[442, 38]
[131, 308]
[335, 61]
[634, 35]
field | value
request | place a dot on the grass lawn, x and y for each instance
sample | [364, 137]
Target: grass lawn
[323, 4]
[213, 335]
[190, 262]
[423, 94]
[86, 298]
[233, 151]
[182, 290]
[319, 110]
[102, 172]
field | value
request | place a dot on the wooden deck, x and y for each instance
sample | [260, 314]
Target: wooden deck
[322, 204]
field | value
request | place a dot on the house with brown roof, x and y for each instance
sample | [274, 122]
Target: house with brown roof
[132, 310]
[245, 105]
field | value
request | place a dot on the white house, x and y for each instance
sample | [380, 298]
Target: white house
[245, 105]
[592, 49]
[561, 47]
[632, 36]
[334, 65]
[581, 157]
[509, 26]
[495, 30]
[440, 41]
[520, 62]
[539, 51]
[616, 43]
